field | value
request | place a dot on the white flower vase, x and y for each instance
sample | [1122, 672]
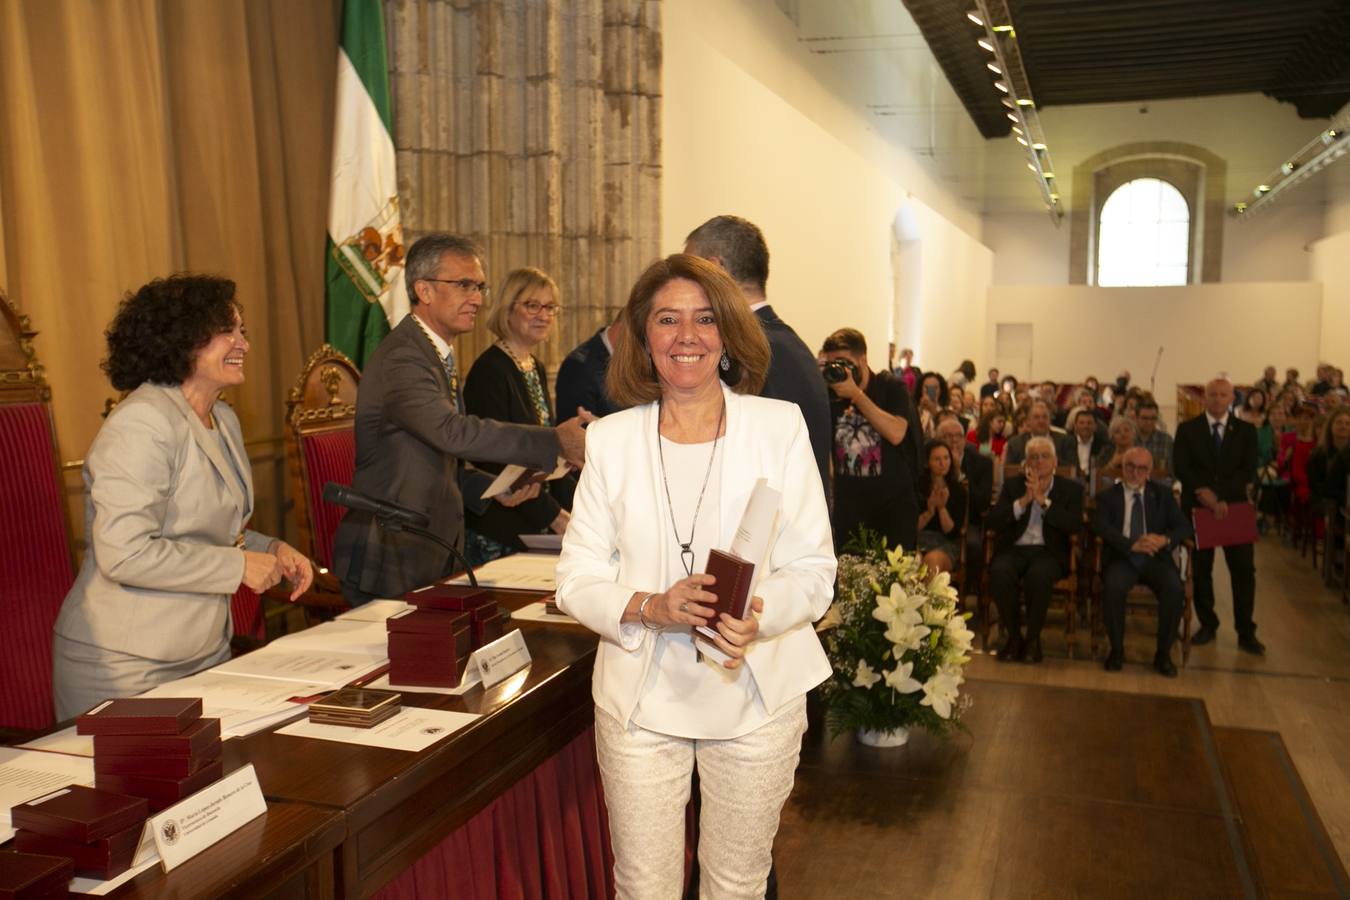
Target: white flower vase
[895, 737]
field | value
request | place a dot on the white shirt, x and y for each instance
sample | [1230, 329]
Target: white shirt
[442, 348]
[1084, 454]
[683, 695]
[1034, 536]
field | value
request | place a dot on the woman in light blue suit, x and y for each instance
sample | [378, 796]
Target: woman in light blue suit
[168, 493]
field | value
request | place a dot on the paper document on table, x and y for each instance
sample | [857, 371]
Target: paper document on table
[27, 774]
[541, 543]
[315, 667]
[383, 683]
[511, 474]
[523, 571]
[375, 611]
[369, 639]
[64, 741]
[539, 612]
[96, 888]
[412, 729]
[240, 701]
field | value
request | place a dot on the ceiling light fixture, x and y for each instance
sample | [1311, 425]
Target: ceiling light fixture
[1014, 93]
[1325, 148]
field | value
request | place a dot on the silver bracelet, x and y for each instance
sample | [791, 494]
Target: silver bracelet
[642, 613]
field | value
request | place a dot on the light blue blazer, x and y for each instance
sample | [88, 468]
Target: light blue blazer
[164, 508]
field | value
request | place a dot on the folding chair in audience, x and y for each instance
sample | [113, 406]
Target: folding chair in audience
[1142, 601]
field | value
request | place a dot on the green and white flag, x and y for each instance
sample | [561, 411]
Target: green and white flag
[365, 293]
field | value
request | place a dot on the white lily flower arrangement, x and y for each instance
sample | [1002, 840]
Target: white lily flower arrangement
[898, 643]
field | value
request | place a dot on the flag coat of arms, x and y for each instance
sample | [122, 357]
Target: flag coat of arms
[365, 293]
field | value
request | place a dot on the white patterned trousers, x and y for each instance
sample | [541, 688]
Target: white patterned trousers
[744, 782]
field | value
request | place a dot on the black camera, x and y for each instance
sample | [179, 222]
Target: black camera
[837, 370]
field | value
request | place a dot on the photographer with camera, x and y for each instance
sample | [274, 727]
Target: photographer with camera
[876, 444]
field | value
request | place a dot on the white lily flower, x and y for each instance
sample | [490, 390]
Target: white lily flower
[939, 692]
[901, 678]
[906, 635]
[831, 619]
[865, 677]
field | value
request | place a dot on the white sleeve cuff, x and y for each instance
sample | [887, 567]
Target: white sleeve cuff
[630, 635]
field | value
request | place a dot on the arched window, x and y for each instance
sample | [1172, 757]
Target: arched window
[1144, 236]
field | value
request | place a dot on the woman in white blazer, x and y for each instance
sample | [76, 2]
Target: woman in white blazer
[168, 492]
[664, 482]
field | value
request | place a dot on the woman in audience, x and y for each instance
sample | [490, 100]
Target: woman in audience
[1296, 447]
[665, 482]
[1272, 485]
[956, 402]
[1335, 440]
[930, 397]
[964, 376]
[990, 435]
[942, 521]
[1124, 434]
[1253, 410]
[169, 491]
[508, 383]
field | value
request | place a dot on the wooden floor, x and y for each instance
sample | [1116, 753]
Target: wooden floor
[1232, 780]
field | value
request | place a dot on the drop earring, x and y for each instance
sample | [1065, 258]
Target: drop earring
[725, 362]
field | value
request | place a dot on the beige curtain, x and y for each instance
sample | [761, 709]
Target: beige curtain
[140, 138]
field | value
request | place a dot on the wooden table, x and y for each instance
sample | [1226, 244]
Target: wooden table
[396, 806]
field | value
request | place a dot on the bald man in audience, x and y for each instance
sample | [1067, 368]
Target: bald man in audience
[1033, 523]
[1215, 458]
[1140, 525]
[1038, 425]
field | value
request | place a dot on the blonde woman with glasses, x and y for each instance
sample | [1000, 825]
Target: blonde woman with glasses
[508, 383]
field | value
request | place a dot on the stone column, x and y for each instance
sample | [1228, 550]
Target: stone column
[534, 126]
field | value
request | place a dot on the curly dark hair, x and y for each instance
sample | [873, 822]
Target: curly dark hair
[159, 329]
[942, 396]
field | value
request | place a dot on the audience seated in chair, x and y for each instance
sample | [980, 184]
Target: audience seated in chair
[1034, 523]
[1140, 524]
[1152, 438]
[1088, 443]
[1038, 425]
[977, 475]
[1124, 435]
[942, 508]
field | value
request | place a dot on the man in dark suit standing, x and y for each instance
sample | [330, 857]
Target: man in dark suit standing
[411, 431]
[1033, 522]
[1215, 460]
[1140, 525]
[581, 377]
[738, 246]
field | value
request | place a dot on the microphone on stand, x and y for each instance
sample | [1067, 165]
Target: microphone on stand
[394, 518]
[1154, 375]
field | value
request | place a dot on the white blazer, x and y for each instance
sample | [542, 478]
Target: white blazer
[615, 545]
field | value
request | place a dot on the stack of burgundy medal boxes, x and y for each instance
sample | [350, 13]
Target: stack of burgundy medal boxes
[28, 876]
[430, 645]
[96, 831]
[159, 748]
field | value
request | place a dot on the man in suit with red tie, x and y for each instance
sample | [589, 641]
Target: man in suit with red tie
[1215, 461]
[1140, 525]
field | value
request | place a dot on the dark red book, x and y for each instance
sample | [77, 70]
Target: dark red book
[456, 597]
[102, 859]
[1238, 527]
[427, 621]
[733, 576]
[156, 766]
[80, 814]
[30, 876]
[141, 715]
[414, 647]
[488, 630]
[194, 739]
[160, 792]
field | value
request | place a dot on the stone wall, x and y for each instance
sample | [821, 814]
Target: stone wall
[534, 127]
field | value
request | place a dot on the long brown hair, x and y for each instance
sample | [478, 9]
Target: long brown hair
[631, 379]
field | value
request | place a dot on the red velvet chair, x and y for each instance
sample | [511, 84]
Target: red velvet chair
[321, 447]
[36, 562]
